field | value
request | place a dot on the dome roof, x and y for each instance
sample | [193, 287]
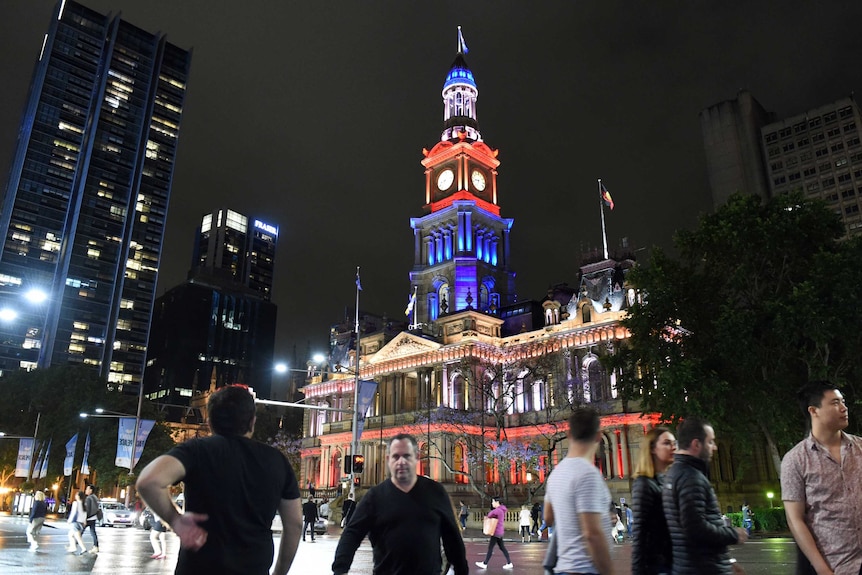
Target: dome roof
[459, 73]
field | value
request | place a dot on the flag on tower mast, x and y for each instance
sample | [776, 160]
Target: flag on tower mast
[606, 195]
[462, 45]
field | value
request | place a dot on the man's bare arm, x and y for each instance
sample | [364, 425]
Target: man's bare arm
[795, 512]
[290, 512]
[154, 486]
[548, 514]
[596, 537]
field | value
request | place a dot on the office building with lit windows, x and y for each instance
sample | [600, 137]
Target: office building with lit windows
[235, 249]
[83, 217]
[217, 328]
[817, 153]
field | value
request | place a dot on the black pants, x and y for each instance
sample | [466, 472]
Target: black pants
[308, 524]
[92, 526]
[496, 541]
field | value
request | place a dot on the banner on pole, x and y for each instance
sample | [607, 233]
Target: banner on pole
[43, 470]
[367, 388]
[25, 456]
[69, 462]
[124, 441]
[85, 465]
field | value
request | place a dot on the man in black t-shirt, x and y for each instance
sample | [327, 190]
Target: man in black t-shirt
[309, 516]
[233, 487]
[405, 517]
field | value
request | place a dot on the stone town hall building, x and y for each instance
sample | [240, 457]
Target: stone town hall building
[479, 372]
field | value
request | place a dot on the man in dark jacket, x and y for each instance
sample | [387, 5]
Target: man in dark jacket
[309, 517]
[91, 506]
[700, 537]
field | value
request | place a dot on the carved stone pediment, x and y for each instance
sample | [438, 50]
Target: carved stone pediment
[403, 345]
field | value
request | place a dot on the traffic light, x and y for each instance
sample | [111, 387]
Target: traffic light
[358, 463]
[356, 481]
[348, 465]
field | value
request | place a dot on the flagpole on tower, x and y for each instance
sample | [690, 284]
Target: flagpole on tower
[354, 447]
[604, 232]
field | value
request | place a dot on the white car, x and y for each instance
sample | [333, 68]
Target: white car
[115, 514]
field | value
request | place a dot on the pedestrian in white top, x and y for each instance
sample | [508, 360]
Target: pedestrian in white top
[77, 520]
[525, 520]
[577, 503]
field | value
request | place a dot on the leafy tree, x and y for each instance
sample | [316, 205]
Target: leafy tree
[762, 298]
[289, 445]
[57, 396]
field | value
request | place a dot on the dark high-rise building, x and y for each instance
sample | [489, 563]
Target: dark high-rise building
[84, 213]
[817, 152]
[232, 248]
[217, 328]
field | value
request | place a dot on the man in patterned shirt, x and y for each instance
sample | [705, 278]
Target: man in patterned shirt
[821, 485]
[577, 502]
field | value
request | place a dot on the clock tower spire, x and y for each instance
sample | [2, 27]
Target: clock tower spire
[462, 244]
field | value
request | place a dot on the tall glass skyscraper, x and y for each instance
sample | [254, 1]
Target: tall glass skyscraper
[84, 214]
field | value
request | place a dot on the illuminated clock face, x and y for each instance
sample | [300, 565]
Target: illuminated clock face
[478, 179]
[445, 179]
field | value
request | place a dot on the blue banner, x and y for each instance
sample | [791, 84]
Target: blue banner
[124, 441]
[43, 471]
[25, 457]
[367, 389]
[69, 462]
[85, 465]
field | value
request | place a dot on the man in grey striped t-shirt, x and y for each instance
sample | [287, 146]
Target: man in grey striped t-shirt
[577, 502]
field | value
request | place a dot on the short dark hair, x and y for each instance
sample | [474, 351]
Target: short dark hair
[231, 410]
[584, 424]
[93, 488]
[811, 394]
[404, 437]
[690, 429]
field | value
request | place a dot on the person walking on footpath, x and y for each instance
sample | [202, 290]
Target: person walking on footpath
[38, 512]
[405, 517]
[524, 520]
[157, 538]
[463, 512]
[577, 503]
[233, 487]
[498, 512]
[698, 533]
[309, 517]
[821, 485]
[747, 521]
[651, 545]
[535, 515]
[94, 513]
[347, 509]
[77, 520]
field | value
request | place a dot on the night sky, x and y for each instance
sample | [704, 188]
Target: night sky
[313, 116]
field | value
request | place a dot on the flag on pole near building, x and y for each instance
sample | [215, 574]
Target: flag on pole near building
[25, 456]
[358, 283]
[39, 449]
[85, 465]
[410, 303]
[462, 45]
[367, 389]
[606, 195]
[43, 470]
[69, 462]
[125, 433]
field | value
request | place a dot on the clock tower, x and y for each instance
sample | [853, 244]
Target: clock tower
[461, 257]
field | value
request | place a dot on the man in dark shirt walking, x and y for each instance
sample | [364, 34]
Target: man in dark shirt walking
[309, 516]
[91, 506]
[698, 532]
[233, 487]
[405, 518]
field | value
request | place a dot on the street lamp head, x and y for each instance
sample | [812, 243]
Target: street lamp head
[84, 415]
[8, 314]
[36, 295]
[318, 358]
[99, 410]
[281, 367]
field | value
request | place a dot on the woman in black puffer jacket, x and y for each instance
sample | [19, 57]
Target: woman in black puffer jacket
[651, 550]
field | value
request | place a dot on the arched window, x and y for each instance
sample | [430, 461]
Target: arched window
[443, 298]
[586, 314]
[459, 463]
[458, 389]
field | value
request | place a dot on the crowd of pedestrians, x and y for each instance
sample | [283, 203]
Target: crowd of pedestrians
[674, 520]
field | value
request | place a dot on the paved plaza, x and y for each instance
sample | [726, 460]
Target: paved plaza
[127, 551]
